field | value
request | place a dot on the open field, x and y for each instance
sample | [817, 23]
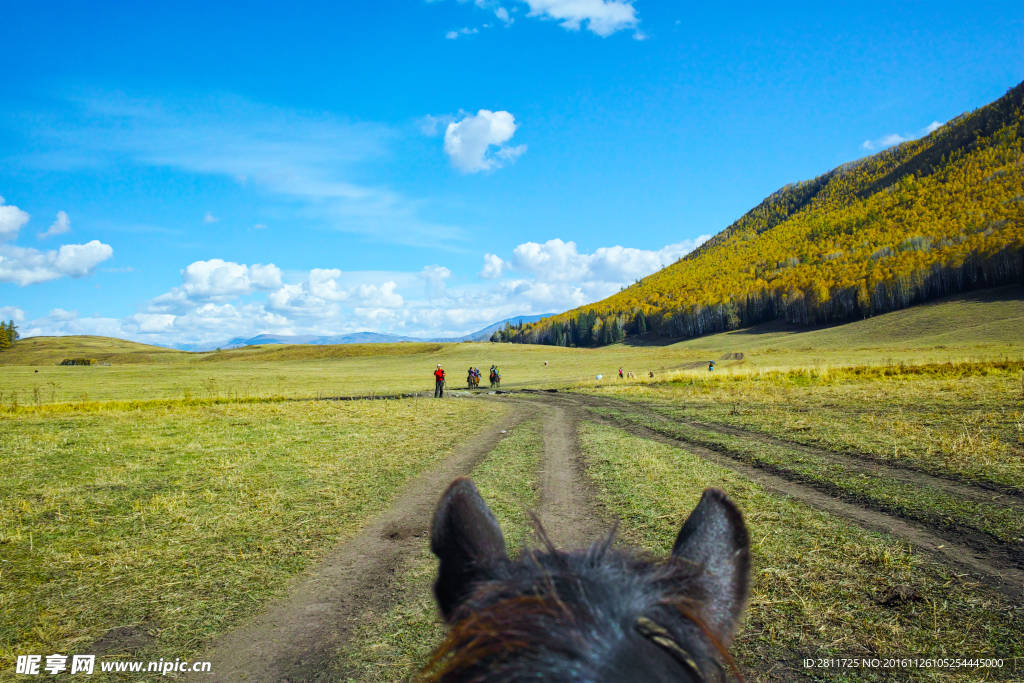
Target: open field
[960, 421]
[190, 516]
[171, 525]
[981, 326]
[822, 587]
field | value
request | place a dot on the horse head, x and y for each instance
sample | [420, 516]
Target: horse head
[596, 615]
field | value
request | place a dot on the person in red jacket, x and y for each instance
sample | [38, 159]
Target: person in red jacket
[439, 382]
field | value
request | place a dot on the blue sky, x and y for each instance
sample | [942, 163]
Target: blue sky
[188, 172]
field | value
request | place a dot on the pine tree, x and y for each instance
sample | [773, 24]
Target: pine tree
[616, 330]
[641, 322]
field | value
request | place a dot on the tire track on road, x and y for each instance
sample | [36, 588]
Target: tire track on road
[997, 570]
[567, 507]
[299, 636]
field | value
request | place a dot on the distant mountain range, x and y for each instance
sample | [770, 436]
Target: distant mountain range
[355, 338]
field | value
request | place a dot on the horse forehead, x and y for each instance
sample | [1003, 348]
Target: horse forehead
[608, 589]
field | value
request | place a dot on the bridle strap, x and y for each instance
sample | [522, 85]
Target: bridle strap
[661, 637]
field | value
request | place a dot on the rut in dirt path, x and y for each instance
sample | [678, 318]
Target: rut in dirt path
[991, 562]
[566, 506]
[301, 635]
[984, 492]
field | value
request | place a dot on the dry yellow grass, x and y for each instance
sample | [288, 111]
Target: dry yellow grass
[184, 519]
[822, 587]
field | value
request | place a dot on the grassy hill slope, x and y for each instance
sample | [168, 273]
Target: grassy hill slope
[927, 218]
[991, 317]
[52, 350]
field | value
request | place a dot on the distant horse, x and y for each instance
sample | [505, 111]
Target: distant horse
[495, 380]
[472, 381]
[597, 615]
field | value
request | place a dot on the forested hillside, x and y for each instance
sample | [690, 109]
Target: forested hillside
[929, 217]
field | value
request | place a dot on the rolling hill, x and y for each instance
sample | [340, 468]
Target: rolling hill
[927, 218]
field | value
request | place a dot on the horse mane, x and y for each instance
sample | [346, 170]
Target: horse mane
[547, 616]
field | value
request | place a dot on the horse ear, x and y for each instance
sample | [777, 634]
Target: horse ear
[715, 537]
[466, 537]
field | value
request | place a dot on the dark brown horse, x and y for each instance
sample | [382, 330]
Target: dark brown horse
[590, 616]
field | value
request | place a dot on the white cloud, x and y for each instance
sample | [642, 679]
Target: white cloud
[558, 261]
[434, 277]
[603, 17]
[452, 35]
[323, 296]
[896, 138]
[309, 159]
[11, 220]
[883, 142]
[219, 299]
[62, 315]
[467, 142]
[379, 297]
[31, 266]
[433, 125]
[217, 280]
[59, 227]
[259, 226]
[11, 313]
[149, 323]
[493, 265]
[494, 6]
[210, 218]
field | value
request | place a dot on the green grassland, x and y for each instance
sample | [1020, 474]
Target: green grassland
[181, 520]
[979, 326]
[963, 421]
[821, 586]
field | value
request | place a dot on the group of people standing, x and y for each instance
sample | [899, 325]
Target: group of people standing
[472, 379]
[630, 375]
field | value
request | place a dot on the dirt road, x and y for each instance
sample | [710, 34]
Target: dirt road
[566, 509]
[997, 564]
[302, 636]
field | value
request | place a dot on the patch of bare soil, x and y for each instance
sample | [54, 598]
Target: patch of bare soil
[125, 639]
[299, 637]
[988, 560]
[566, 507]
